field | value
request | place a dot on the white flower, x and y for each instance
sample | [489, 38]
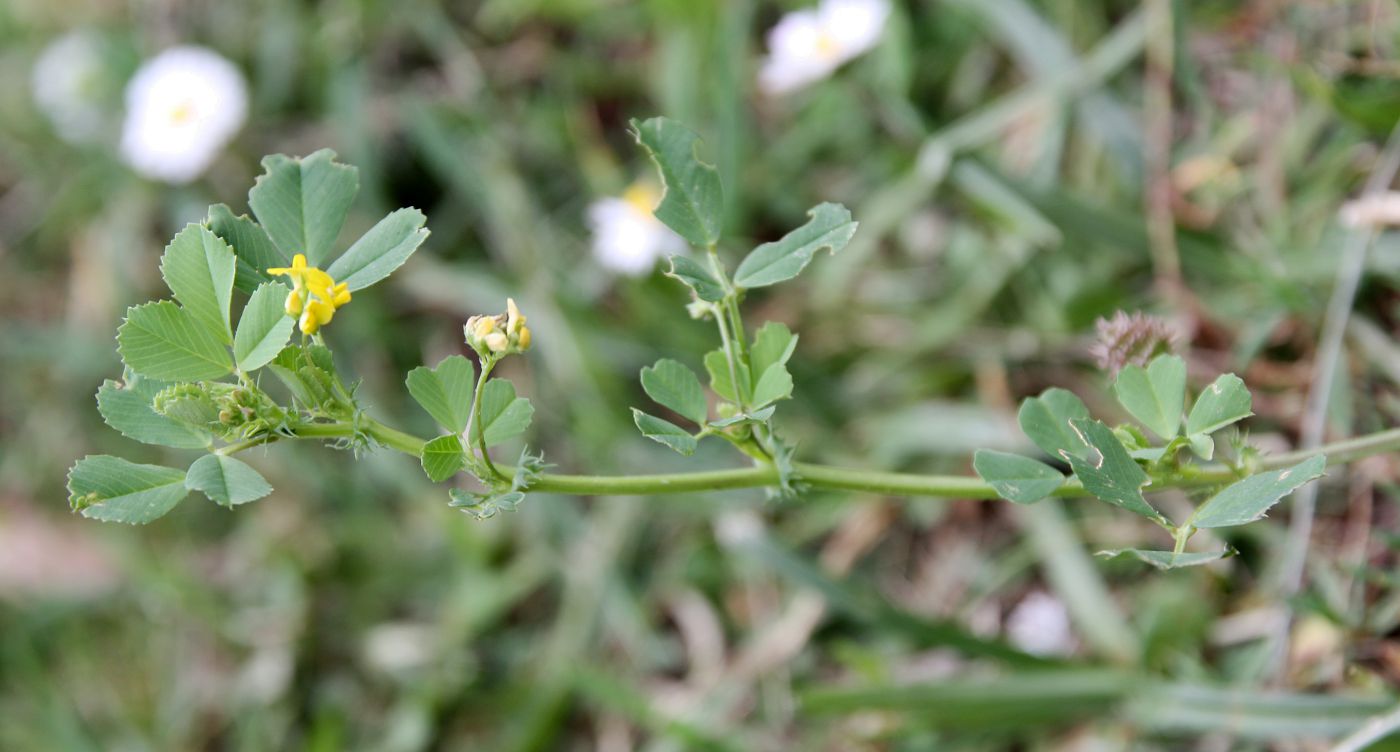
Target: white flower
[1367, 211]
[66, 83]
[808, 45]
[1040, 625]
[627, 237]
[183, 106]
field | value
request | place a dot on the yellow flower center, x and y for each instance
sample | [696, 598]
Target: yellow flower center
[183, 113]
[641, 197]
[827, 47]
[318, 307]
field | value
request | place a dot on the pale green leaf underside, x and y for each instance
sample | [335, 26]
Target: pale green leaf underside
[503, 415]
[775, 384]
[128, 410]
[1016, 478]
[255, 251]
[721, 381]
[1225, 401]
[1045, 419]
[302, 203]
[695, 276]
[263, 328]
[693, 200]
[1155, 395]
[162, 341]
[226, 480]
[443, 457]
[773, 344]
[445, 392]
[1249, 499]
[676, 387]
[380, 251]
[199, 268]
[830, 226]
[664, 432]
[112, 489]
[1106, 469]
[1168, 559]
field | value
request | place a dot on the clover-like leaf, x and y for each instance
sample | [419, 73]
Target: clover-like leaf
[127, 408]
[443, 457]
[227, 481]
[1155, 395]
[1016, 478]
[112, 489]
[1106, 470]
[445, 392]
[380, 251]
[693, 200]
[1168, 559]
[503, 415]
[199, 268]
[664, 432]
[1250, 499]
[302, 202]
[829, 226]
[1045, 419]
[676, 387]
[163, 341]
[1225, 401]
[700, 280]
[263, 328]
[255, 251]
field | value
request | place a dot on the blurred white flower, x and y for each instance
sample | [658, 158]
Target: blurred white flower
[627, 237]
[1373, 210]
[1040, 625]
[808, 45]
[66, 83]
[183, 106]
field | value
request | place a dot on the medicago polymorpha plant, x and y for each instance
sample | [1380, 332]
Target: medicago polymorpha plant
[199, 378]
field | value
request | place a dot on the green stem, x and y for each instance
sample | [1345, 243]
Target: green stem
[487, 365]
[824, 476]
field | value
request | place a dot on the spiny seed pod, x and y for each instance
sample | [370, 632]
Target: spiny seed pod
[1131, 339]
[190, 404]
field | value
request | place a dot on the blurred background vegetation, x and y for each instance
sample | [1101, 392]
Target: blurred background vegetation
[1019, 168]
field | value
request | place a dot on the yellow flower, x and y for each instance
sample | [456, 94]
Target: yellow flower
[499, 335]
[315, 296]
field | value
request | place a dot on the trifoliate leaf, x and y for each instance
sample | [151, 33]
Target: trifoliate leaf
[263, 328]
[484, 506]
[1251, 498]
[1106, 470]
[112, 489]
[302, 202]
[693, 200]
[695, 276]
[1045, 419]
[1222, 403]
[1168, 559]
[380, 251]
[676, 387]
[830, 226]
[664, 432]
[445, 392]
[503, 415]
[199, 268]
[443, 457]
[1016, 478]
[128, 409]
[227, 481]
[255, 251]
[1155, 395]
[162, 341]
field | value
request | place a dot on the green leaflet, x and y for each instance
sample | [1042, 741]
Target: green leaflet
[829, 226]
[199, 268]
[676, 387]
[128, 410]
[1168, 559]
[163, 341]
[1155, 395]
[1249, 499]
[693, 200]
[302, 202]
[263, 328]
[227, 481]
[112, 489]
[443, 457]
[1225, 401]
[695, 276]
[445, 392]
[255, 251]
[1046, 420]
[503, 415]
[1016, 478]
[1106, 470]
[664, 432]
[380, 251]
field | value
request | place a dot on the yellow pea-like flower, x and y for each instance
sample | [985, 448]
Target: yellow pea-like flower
[315, 295]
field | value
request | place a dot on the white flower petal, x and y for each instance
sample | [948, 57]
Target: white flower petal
[855, 25]
[183, 106]
[628, 240]
[64, 84]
